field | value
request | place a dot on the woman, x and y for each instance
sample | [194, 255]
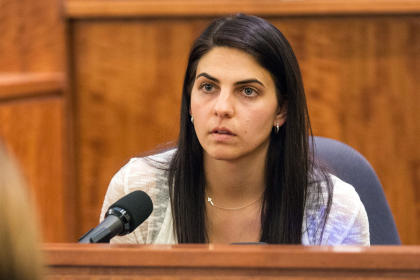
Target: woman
[242, 170]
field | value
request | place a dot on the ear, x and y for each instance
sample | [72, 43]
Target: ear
[281, 115]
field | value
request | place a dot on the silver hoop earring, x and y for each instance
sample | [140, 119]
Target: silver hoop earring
[192, 119]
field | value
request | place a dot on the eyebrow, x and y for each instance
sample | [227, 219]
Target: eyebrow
[247, 81]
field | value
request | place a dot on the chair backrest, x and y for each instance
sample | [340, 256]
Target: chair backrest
[350, 166]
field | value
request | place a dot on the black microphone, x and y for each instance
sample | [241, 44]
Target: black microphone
[122, 217]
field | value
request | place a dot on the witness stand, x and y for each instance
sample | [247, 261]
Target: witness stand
[104, 261]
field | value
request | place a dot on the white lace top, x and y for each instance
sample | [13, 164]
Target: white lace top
[347, 222]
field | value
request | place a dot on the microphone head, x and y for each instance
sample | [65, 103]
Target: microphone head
[138, 205]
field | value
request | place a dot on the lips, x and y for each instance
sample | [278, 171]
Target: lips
[222, 131]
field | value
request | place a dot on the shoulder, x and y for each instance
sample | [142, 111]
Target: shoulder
[345, 196]
[140, 172]
[347, 221]
[148, 174]
[149, 163]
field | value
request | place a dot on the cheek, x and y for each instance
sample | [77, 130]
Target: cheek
[195, 111]
[248, 123]
[197, 105]
[258, 122]
[198, 112]
[193, 105]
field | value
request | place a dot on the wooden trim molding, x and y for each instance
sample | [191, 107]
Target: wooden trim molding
[17, 85]
[228, 256]
[185, 8]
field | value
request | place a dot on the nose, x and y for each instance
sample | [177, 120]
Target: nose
[224, 106]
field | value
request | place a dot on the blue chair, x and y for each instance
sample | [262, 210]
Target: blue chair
[350, 166]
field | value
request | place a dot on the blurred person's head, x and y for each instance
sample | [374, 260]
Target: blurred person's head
[20, 256]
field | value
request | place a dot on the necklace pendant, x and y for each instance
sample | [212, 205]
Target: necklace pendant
[209, 199]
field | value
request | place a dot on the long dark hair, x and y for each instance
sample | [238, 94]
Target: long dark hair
[289, 165]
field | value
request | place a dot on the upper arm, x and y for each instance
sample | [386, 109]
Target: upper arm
[347, 222]
[358, 233]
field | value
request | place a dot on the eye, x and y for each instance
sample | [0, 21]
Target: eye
[249, 92]
[207, 87]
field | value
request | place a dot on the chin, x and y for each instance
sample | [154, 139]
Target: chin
[222, 154]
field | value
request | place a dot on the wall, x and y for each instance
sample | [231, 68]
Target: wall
[33, 107]
[359, 64]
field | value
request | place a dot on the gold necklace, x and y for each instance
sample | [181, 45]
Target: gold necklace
[211, 202]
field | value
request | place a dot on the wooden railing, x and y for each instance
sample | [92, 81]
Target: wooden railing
[162, 8]
[20, 85]
[94, 261]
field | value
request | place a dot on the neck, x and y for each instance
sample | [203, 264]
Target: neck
[235, 183]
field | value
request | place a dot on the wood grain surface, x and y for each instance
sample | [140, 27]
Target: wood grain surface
[33, 131]
[93, 261]
[33, 107]
[192, 8]
[360, 74]
[32, 36]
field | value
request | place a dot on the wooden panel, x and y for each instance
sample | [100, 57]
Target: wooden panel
[360, 74]
[129, 8]
[32, 36]
[33, 130]
[93, 261]
[33, 65]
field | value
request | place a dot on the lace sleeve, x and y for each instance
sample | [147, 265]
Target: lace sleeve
[347, 222]
[117, 189]
[147, 175]
[359, 231]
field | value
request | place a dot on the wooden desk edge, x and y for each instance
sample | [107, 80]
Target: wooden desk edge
[228, 256]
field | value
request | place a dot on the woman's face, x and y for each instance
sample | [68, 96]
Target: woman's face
[234, 104]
